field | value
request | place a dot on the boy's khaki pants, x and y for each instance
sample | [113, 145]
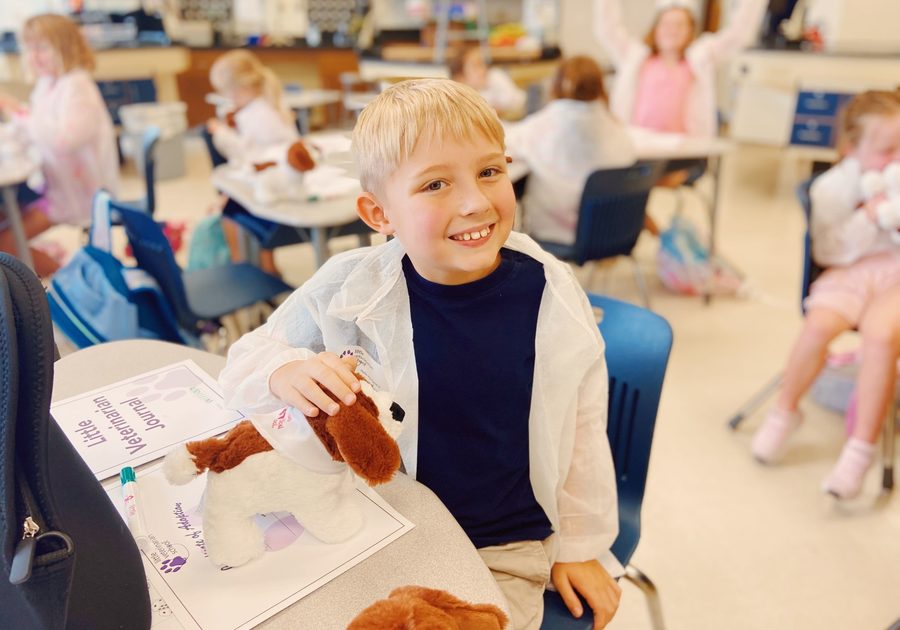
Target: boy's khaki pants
[522, 570]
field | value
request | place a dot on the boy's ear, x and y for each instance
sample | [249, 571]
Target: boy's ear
[372, 213]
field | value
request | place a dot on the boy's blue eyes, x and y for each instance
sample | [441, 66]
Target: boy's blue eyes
[437, 185]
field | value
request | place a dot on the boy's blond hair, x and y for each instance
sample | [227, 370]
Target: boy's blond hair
[242, 69]
[390, 126]
[64, 37]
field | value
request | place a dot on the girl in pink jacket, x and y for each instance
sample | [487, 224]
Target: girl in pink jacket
[69, 125]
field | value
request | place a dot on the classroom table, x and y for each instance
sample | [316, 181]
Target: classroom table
[318, 217]
[435, 554]
[10, 177]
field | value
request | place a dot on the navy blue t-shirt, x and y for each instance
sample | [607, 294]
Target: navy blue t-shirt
[474, 348]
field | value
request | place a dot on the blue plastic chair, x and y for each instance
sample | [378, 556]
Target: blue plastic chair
[149, 141]
[638, 343]
[611, 217]
[201, 296]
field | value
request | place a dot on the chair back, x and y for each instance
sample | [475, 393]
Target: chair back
[153, 253]
[638, 343]
[148, 148]
[811, 269]
[612, 211]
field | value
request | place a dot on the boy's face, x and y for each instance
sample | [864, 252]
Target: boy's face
[879, 143]
[452, 206]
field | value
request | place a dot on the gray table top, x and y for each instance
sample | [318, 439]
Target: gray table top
[435, 554]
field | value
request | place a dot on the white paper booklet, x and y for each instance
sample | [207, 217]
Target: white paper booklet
[142, 418]
[204, 597]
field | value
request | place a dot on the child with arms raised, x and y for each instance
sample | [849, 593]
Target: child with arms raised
[860, 289]
[667, 82]
[69, 124]
[487, 342]
[562, 144]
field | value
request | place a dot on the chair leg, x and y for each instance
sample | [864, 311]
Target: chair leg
[887, 448]
[758, 399]
[654, 606]
[639, 280]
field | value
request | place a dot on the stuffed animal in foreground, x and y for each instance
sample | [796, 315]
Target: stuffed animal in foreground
[283, 178]
[415, 607]
[885, 182]
[289, 470]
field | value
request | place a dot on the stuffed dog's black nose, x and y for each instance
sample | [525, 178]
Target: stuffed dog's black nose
[397, 412]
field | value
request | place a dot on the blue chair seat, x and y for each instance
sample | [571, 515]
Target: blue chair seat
[243, 284]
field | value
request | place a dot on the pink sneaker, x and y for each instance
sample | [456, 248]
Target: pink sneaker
[770, 440]
[845, 481]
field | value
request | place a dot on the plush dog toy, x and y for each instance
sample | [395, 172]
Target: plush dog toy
[418, 608]
[885, 182]
[288, 470]
[283, 178]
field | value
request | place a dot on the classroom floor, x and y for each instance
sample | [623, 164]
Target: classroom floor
[728, 542]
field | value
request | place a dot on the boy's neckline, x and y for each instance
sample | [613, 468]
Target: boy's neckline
[416, 282]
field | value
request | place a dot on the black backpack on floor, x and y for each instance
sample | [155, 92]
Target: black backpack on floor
[68, 560]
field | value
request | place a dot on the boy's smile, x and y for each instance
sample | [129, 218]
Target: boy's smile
[452, 206]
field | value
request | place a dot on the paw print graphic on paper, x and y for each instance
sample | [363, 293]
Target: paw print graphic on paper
[173, 564]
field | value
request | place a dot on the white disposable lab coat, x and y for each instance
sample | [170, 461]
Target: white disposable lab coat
[71, 128]
[628, 54]
[360, 299]
[259, 127]
[841, 234]
[562, 144]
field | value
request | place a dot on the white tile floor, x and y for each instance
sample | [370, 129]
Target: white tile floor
[729, 543]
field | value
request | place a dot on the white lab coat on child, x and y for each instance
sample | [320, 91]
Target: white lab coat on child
[259, 127]
[360, 299]
[562, 144]
[842, 234]
[628, 54]
[71, 128]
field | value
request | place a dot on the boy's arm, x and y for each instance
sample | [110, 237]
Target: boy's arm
[588, 508]
[290, 334]
[739, 33]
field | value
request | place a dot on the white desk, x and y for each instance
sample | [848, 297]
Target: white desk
[11, 176]
[436, 554]
[316, 216]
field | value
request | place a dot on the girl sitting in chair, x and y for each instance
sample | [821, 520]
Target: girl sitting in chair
[563, 143]
[861, 289]
[260, 122]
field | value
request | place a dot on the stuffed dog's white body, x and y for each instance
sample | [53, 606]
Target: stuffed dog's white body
[325, 504]
[255, 472]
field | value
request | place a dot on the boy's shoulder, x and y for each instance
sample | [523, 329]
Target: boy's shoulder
[364, 268]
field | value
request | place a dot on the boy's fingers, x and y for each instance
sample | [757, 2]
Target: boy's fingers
[564, 588]
[332, 380]
[313, 393]
[344, 369]
[295, 399]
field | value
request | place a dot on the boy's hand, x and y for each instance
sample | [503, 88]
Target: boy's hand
[300, 383]
[592, 581]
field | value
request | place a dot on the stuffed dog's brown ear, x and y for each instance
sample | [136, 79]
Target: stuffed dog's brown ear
[467, 616]
[418, 608]
[298, 157]
[363, 443]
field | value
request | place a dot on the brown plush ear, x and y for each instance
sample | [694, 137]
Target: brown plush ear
[467, 616]
[402, 613]
[363, 443]
[261, 166]
[298, 157]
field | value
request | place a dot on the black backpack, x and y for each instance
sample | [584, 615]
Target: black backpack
[68, 560]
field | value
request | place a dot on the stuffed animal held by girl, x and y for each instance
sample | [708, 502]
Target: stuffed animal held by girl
[304, 466]
[885, 182]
